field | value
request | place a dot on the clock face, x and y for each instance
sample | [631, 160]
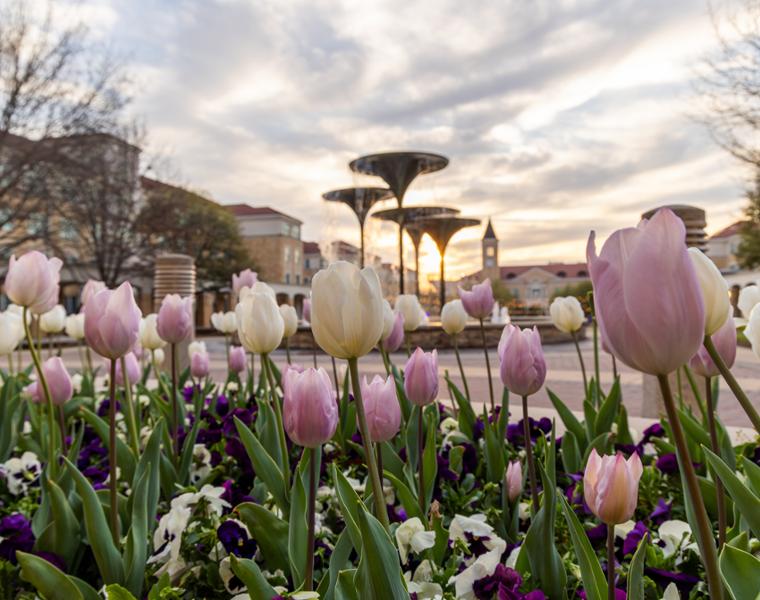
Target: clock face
[489, 262]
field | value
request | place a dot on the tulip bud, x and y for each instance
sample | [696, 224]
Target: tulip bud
[347, 310]
[237, 361]
[54, 320]
[567, 314]
[752, 330]
[260, 324]
[396, 338]
[149, 338]
[521, 358]
[11, 332]
[453, 317]
[199, 364]
[647, 299]
[389, 318]
[175, 318]
[245, 278]
[479, 301]
[58, 381]
[611, 486]
[409, 306]
[133, 370]
[257, 288]
[306, 310]
[514, 480]
[725, 343]
[90, 288]
[33, 281]
[158, 357]
[310, 411]
[195, 347]
[290, 320]
[112, 321]
[714, 290]
[224, 322]
[421, 377]
[748, 297]
[381, 407]
[75, 326]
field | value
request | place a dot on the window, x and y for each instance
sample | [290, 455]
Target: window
[298, 280]
[287, 277]
[581, 274]
[511, 275]
[286, 254]
[561, 274]
[490, 251]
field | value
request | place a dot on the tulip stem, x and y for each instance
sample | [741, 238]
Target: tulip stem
[287, 350]
[309, 571]
[529, 456]
[314, 353]
[614, 367]
[10, 363]
[175, 408]
[583, 365]
[704, 528]
[488, 364]
[596, 363]
[732, 383]
[610, 562]
[88, 355]
[716, 449]
[420, 466]
[461, 368]
[131, 420]
[114, 508]
[377, 486]
[338, 388]
[384, 356]
[52, 465]
[266, 371]
[62, 426]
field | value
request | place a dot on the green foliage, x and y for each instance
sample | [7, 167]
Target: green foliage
[748, 252]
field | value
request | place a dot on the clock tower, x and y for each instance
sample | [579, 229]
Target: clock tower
[490, 252]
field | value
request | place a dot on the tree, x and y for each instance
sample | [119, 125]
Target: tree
[174, 219]
[501, 292]
[748, 252]
[52, 84]
[729, 83]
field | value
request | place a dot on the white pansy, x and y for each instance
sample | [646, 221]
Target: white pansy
[671, 592]
[232, 386]
[425, 590]
[76, 381]
[411, 535]
[623, 529]
[201, 465]
[304, 596]
[523, 510]
[482, 567]
[20, 472]
[475, 525]
[227, 576]
[677, 536]
[448, 425]
[511, 561]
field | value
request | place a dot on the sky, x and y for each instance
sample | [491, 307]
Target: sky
[557, 117]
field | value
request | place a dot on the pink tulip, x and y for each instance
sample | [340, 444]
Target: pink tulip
[199, 365]
[306, 310]
[175, 318]
[479, 301]
[237, 360]
[91, 288]
[396, 336]
[58, 381]
[310, 412]
[245, 279]
[521, 358]
[112, 321]
[421, 377]
[295, 367]
[33, 281]
[725, 343]
[381, 408]
[514, 480]
[647, 298]
[611, 486]
[133, 370]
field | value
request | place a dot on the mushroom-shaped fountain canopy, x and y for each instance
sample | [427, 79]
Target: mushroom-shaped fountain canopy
[398, 169]
[442, 228]
[359, 199]
[409, 217]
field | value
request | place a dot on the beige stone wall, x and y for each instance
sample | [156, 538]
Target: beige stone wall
[269, 254]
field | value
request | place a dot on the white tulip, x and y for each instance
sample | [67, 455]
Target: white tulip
[195, 347]
[289, 318]
[409, 306]
[714, 290]
[149, 338]
[752, 331]
[567, 314]
[453, 317]
[260, 324]
[388, 319]
[748, 297]
[54, 320]
[258, 288]
[346, 310]
[11, 331]
[224, 322]
[158, 357]
[19, 310]
[75, 326]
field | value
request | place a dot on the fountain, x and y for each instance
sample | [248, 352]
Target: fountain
[360, 200]
[442, 228]
[398, 170]
[406, 217]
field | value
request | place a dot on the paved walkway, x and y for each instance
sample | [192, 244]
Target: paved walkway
[563, 375]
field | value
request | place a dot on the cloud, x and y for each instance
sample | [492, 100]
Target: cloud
[557, 116]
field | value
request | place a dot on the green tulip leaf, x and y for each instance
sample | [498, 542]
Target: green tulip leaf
[745, 499]
[591, 572]
[740, 572]
[249, 573]
[270, 533]
[48, 579]
[569, 419]
[636, 571]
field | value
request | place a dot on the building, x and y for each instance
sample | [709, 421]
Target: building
[722, 247]
[313, 261]
[531, 286]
